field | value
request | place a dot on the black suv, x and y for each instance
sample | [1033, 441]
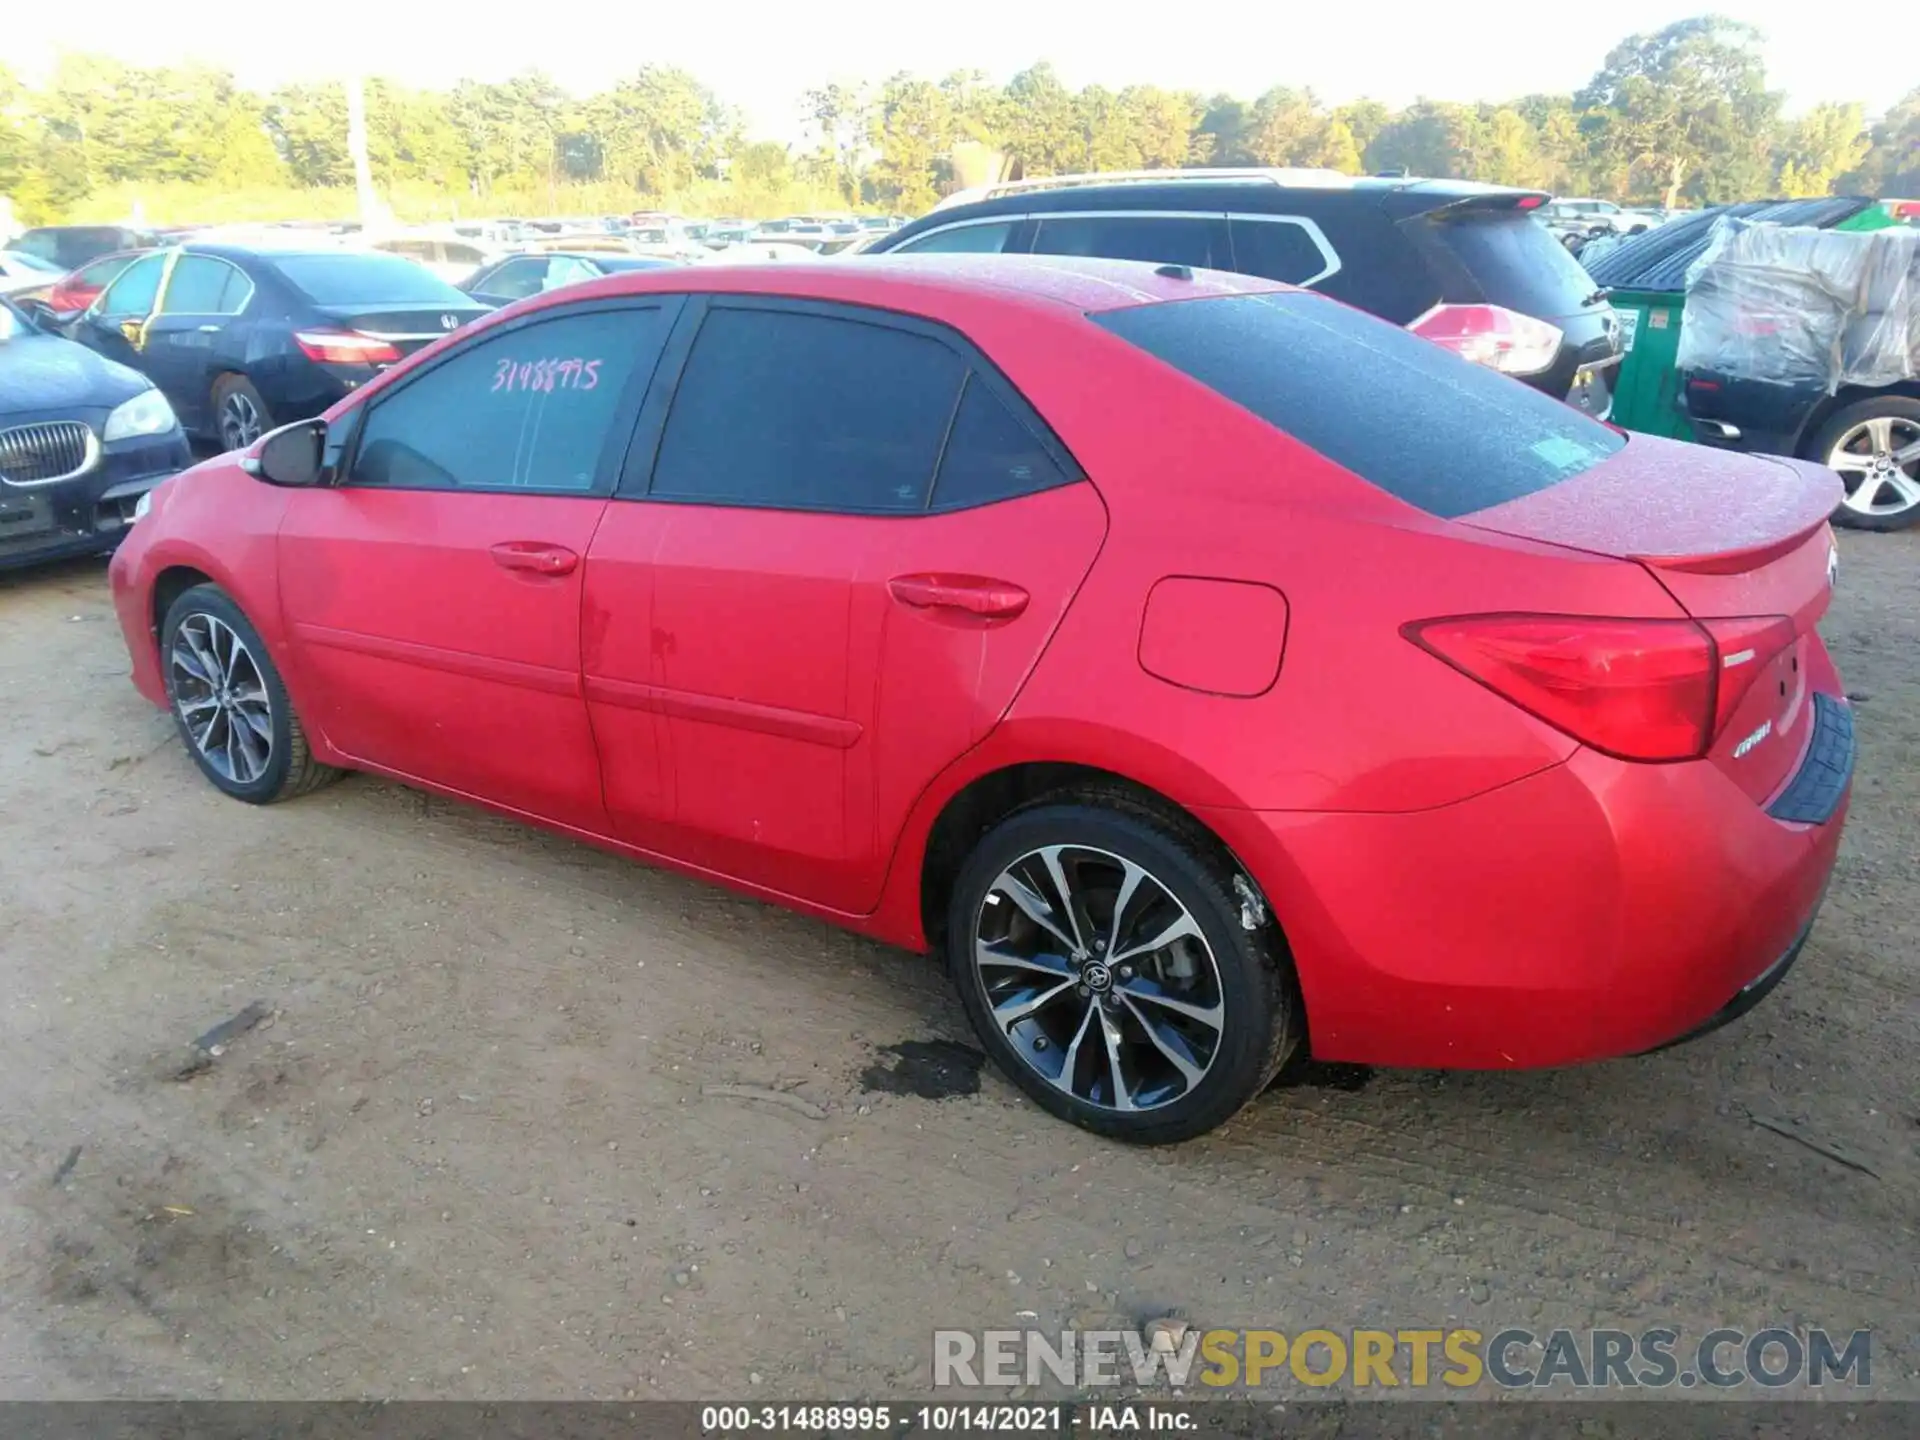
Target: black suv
[1465, 264]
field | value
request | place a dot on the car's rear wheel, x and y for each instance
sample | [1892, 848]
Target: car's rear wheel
[239, 413]
[229, 703]
[1875, 446]
[1105, 959]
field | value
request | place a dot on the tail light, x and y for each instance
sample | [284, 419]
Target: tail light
[1635, 689]
[344, 347]
[1492, 335]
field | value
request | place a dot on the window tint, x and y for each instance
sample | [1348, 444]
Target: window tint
[134, 291]
[1516, 262]
[567, 270]
[370, 278]
[1165, 240]
[1462, 437]
[202, 285]
[527, 410]
[807, 412]
[991, 454]
[987, 238]
[516, 279]
[1276, 250]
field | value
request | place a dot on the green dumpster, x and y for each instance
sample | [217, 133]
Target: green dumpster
[1645, 383]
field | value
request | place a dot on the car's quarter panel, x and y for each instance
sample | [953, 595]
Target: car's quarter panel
[427, 658]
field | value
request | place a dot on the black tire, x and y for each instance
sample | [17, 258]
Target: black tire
[1258, 998]
[289, 768]
[1905, 412]
[234, 400]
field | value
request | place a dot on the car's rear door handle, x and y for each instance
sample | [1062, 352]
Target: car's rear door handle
[534, 555]
[989, 599]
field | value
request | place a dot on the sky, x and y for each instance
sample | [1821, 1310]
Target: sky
[761, 55]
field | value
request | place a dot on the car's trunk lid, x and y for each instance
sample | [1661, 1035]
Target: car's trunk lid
[1730, 537]
[406, 327]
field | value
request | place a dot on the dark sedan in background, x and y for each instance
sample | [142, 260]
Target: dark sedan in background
[242, 338]
[515, 277]
[81, 440]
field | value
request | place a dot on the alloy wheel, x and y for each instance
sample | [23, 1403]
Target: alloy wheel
[221, 698]
[240, 423]
[1879, 462]
[1100, 979]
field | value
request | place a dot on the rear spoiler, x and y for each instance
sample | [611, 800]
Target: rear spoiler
[1494, 200]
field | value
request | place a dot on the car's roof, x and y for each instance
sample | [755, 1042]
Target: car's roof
[907, 282]
[1251, 191]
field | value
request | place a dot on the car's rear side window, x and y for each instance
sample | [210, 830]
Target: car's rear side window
[807, 412]
[1401, 413]
[1516, 262]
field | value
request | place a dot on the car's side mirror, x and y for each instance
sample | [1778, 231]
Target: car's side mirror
[292, 456]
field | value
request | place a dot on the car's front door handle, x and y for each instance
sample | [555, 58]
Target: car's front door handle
[989, 599]
[536, 556]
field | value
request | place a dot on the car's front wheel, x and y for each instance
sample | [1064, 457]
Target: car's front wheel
[1116, 974]
[229, 703]
[1875, 446]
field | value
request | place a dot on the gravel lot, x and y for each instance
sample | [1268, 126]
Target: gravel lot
[484, 1145]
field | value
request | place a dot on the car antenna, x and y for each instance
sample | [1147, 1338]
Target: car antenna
[1174, 272]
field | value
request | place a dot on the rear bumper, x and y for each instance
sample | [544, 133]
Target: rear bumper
[1594, 909]
[88, 515]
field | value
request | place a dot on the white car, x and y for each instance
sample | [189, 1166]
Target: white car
[451, 256]
[21, 271]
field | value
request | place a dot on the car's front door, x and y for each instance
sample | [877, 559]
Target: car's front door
[434, 595]
[811, 611]
[115, 324]
[202, 300]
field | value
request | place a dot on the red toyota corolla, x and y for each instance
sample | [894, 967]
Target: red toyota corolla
[1207, 669]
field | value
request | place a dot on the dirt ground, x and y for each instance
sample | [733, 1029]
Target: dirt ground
[477, 1150]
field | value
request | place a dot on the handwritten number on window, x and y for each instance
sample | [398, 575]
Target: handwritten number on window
[545, 376]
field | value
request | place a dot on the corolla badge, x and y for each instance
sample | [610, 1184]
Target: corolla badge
[1766, 729]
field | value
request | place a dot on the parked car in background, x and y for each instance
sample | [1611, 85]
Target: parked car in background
[77, 289]
[1008, 609]
[1461, 264]
[451, 257]
[515, 277]
[71, 246]
[242, 338]
[1596, 216]
[81, 441]
[20, 271]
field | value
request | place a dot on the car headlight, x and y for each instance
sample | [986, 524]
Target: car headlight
[147, 413]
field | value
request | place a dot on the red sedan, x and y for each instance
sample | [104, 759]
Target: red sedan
[1207, 669]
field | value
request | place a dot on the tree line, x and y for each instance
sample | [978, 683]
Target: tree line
[1680, 116]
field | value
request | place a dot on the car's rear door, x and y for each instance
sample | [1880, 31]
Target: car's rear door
[204, 296]
[435, 594]
[792, 625]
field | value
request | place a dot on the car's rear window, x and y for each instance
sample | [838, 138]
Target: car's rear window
[349, 279]
[1400, 412]
[1516, 262]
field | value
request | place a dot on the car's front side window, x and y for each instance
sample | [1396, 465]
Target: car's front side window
[527, 409]
[134, 292]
